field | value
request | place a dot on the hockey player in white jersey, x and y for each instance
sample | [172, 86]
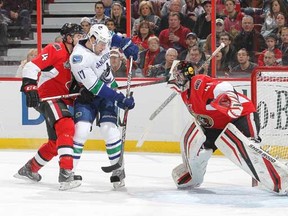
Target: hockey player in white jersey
[90, 65]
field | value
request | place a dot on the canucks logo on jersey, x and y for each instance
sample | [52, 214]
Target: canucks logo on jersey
[77, 59]
[105, 77]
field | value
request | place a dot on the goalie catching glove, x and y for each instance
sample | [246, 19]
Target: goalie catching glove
[29, 87]
[228, 104]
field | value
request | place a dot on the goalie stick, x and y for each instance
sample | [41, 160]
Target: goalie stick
[158, 81]
[117, 165]
[154, 114]
[170, 98]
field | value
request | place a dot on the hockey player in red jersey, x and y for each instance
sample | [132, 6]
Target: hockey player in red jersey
[213, 104]
[55, 79]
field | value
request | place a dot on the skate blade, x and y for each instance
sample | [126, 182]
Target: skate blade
[117, 185]
[69, 185]
[24, 178]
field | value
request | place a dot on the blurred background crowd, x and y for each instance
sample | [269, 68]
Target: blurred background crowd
[254, 32]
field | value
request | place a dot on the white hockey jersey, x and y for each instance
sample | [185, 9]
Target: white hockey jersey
[91, 70]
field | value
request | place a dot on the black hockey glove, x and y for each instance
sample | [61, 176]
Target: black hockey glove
[74, 87]
[86, 96]
[29, 87]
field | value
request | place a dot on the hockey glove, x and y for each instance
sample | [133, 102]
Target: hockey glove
[74, 87]
[29, 87]
[124, 102]
[85, 96]
[129, 48]
[228, 104]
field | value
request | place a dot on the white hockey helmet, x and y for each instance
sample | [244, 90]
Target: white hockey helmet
[101, 33]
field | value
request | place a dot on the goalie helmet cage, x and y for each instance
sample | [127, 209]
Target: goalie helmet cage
[269, 92]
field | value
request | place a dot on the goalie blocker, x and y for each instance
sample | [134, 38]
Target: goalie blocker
[248, 155]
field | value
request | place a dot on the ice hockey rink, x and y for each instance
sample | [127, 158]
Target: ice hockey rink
[149, 189]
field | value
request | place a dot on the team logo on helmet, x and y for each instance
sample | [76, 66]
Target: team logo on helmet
[100, 32]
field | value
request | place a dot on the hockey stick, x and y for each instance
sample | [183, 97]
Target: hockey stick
[143, 84]
[216, 51]
[60, 96]
[162, 106]
[154, 114]
[170, 98]
[113, 167]
[158, 81]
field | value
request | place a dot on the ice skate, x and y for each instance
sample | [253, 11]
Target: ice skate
[26, 173]
[68, 180]
[117, 178]
[77, 178]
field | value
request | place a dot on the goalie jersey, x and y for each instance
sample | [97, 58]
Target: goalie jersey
[203, 90]
[92, 71]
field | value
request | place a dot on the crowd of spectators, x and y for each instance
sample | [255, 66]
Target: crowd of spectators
[254, 32]
[15, 21]
[249, 30]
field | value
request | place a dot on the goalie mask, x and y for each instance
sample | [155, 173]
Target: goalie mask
[182, 73]
[101, 35]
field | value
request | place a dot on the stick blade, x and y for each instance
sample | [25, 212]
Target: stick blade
[111, 168]
[144, 135]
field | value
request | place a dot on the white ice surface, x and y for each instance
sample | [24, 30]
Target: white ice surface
[149, 191]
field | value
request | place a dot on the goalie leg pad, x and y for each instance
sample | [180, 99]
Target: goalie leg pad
[253, 160]
[198, 166]
[183, 178]
[192, 141]
[194, 157]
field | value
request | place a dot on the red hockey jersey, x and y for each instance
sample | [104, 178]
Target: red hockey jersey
[203, 90]
[53, 63]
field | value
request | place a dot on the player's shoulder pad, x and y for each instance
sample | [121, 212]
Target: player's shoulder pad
[225, 86]
[76, 59]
